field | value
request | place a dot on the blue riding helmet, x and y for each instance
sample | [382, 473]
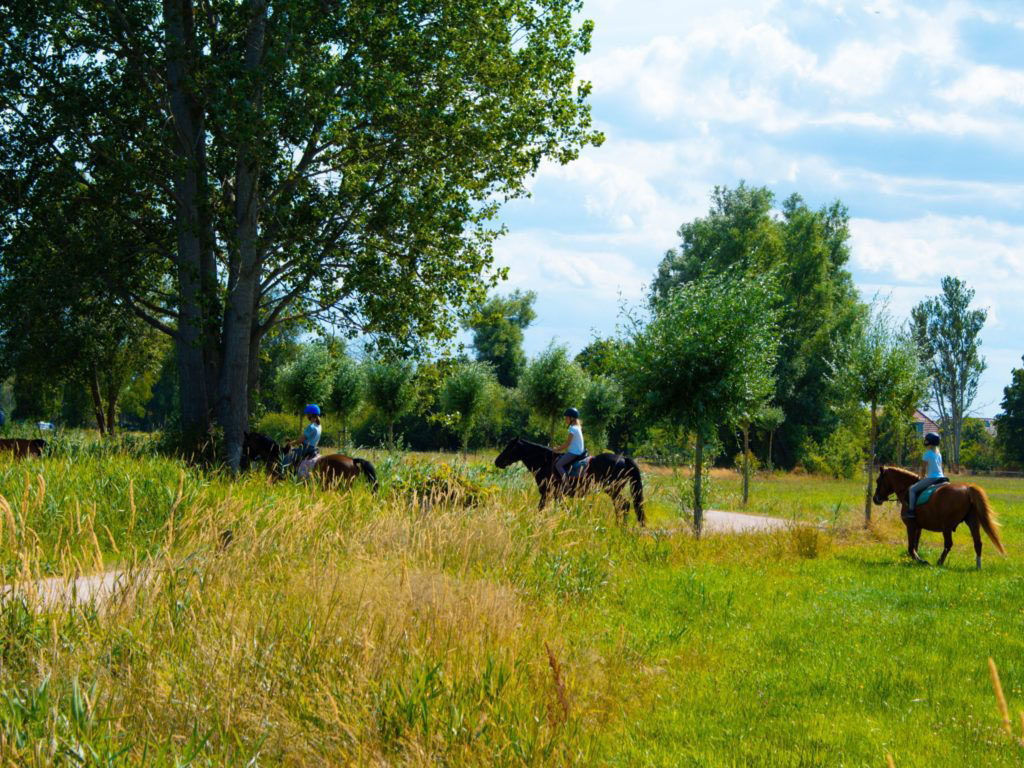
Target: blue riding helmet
[932, 439]
[571, 412]
[312, 410]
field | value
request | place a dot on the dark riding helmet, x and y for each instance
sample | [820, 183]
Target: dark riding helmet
[932, 439]
[571, 413]
[312, 410]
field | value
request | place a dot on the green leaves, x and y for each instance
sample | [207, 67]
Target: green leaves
[705, 358]
[466, 395]
[552, 383]
[497, 327]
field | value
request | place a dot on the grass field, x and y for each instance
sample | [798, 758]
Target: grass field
[401, 630]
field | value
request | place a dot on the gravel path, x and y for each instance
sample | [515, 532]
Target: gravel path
[719, 521]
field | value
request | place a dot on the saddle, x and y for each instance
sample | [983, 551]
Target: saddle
[579, 467]
[926, 494]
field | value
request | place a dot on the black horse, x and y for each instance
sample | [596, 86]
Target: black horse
[609, 470]
[258, 447]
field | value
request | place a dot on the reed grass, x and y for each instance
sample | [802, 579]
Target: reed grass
[350, 629]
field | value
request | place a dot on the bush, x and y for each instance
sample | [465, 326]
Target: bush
[839, 456]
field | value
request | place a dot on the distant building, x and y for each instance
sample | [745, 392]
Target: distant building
[990, 424]
[923, 424]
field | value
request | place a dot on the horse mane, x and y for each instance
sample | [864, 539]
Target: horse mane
[905, 473]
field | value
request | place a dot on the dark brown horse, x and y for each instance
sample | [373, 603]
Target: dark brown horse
[22, 447]
[607, 470]
[950, 505]
[332, 470]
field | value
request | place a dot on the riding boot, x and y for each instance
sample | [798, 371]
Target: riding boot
[908, 514]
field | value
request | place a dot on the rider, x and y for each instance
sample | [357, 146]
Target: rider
[931, 469]
[572, 449]
[310, 436]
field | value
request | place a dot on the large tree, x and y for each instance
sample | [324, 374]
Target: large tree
[1010, 423]
[705, 358]
[946, 331]
[498, 326]
[806, 251]
[305, 161]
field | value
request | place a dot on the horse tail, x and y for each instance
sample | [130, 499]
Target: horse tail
[369, 471]
[986, 515]
[636, 482]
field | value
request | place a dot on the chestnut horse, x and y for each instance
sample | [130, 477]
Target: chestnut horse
[332, 470]
[950, 505]
[22, 447]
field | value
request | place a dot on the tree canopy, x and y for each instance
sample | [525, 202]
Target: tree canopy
[1010, 423]
[498, 326]
[805, 251]
[288, 163]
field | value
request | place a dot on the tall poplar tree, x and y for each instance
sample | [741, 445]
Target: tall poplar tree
[307, 161]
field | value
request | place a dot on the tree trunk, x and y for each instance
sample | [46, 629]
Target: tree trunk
[771, 464]
[241, 301]
[746, 463]
[871, 466]
[186, 138]
[391, 434]
[111, 413]
[97, 400]
[698, 485]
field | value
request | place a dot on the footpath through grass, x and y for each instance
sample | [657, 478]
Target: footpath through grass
[461, 627]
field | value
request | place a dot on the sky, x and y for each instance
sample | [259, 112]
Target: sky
[910, 113]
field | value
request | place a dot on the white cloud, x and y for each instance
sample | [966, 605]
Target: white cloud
[988, 254]
[985, 85]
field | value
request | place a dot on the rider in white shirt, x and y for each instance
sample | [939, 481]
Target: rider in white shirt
[572, 449]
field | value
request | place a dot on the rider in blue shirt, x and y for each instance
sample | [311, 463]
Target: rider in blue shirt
[931, 469]
[310, 436]
[572, 449]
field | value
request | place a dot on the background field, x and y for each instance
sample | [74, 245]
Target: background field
[448, 622]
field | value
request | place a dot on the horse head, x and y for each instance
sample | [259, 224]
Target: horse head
[511, 453]
[883, 486]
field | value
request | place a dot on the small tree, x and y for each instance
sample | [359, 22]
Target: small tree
[347, 389]
[307, 380]
[768, 420]
[466, 395]
[390, 391]
[704, 358]
[764, 414]
[601, 407]
[553, 382]
[1010, 423]
[881, 369]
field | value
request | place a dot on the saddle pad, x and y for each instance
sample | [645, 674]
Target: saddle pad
[307, 466]
[927, 492]
[578, 468]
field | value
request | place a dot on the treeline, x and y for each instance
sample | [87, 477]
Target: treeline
[753, 337]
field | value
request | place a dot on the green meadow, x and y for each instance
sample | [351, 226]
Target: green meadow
[448, 622]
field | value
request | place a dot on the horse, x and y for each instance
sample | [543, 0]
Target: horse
[611, 471]
[22, 447]
[950, 505]
[332, 469]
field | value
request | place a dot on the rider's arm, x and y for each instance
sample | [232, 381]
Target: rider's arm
[563, 447]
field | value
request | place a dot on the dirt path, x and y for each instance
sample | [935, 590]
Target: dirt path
[59, 592]
[100, 587]
[719, 521]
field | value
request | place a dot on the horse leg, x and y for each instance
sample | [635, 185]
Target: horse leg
[972, 523]
[947, 544]
[620, 513]
[913, 539]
